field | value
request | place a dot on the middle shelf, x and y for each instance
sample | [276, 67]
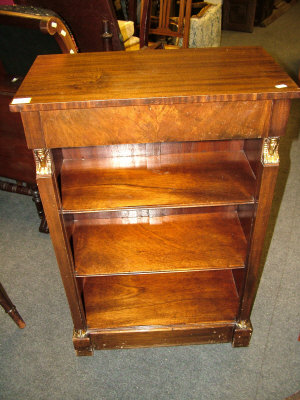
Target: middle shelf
[186, 242]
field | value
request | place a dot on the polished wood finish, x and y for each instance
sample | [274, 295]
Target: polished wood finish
[160, 300]
[32, 125]
[212, 240]
[157, 189]
[44, 20]
[165, 123]
[12, 141]
[231, 74]
[50, 196]
[168, 180]
[265, 195]
[148, 149]
[281, 111]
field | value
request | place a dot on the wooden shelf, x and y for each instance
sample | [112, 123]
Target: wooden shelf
[157, 186]
[160, 300]
[175, 180]
[212, 240]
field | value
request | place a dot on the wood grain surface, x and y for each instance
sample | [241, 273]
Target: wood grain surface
[148, 149]
[211, 178]
[160, 299]
[156, 123]
[268, 175]
[49, 192]
[175, 243]
[173, 335]
[153, 77]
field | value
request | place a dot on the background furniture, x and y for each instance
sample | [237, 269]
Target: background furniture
[205, 27]
[264, 9]
[165, 25]
[93, 23]
[158, 214]
[25, 32]
[10, 309]
[242, 15]
[239, 15]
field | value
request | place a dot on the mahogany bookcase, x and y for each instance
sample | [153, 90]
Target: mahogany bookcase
[156, 170]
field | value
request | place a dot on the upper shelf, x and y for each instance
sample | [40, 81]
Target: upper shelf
[173, 180]
[152, 77]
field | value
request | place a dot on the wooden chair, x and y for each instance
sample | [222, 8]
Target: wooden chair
[165, 24]
[132, 10]
[10, 309]
[25, 32]
[93, 23]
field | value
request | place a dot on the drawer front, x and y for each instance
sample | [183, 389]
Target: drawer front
[156, 123]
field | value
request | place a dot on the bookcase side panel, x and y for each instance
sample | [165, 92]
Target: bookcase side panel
[268, 175]
[49, 193]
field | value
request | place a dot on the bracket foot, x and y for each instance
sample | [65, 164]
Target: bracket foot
[82, 343]
[242, 334]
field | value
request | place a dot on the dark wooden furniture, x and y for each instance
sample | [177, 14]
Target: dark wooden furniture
[131, 10]
[10, 309]
[242, 15]
[264, 9]
[93, 23]
[157, 189]
[239, 15]
[25, 32]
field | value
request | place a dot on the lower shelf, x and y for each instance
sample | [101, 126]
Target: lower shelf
[189, 242]
[182, 300]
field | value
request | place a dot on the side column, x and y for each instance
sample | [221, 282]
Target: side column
[49, 192]
[268, 173]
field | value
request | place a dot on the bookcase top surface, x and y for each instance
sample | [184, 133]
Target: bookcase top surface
[152, 77]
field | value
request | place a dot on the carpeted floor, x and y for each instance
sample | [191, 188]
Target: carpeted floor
[39, 361]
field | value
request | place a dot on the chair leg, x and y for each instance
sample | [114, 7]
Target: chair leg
[28, 190]
[10, 309]
[15, 188]
[39, 206]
